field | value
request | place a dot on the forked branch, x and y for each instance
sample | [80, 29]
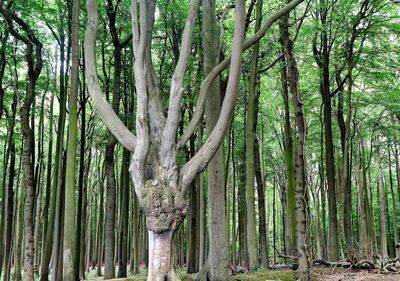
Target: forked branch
[198, 114]
[107, 114]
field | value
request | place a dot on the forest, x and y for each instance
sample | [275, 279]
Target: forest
[167, 140]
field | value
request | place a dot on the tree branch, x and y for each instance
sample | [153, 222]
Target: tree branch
[198, 114]
[168, 151]
[107, 114]
[206, 152]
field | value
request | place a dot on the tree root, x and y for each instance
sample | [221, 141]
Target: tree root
[381, 265]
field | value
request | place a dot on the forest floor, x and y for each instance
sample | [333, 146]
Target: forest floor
[335, 274]
[319, 274]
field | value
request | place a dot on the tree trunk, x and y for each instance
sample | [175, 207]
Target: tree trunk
[394, 210]
[99, 239]
[290, 226]
[323, 59]
[70, 268]
[303, 251]
[19, 236]
[10, 208]
[382, 209]
[49, 236]
[160, 253]
[218, 257]
[262, 228]
[363, 234]
[124, 215]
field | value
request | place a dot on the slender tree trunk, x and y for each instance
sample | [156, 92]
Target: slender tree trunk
[303, 251]
[382, 209]
[234, 184]
[19, 236]
[124, 215]
[262, 228]
[290, 229]
[82, 204]
[252, 245]
[10, 208]
[70, 268]
[53, 222]
[193, 219]
[202, 209]
[323, 59]
[394, 210]
[363, 233]
[99, 239]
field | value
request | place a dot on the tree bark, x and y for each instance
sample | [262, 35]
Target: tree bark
[382, 209]
[262, 228]
[323, 59]
[252, 245]
[70, 270]
[364, 247]
[218, 257]
[303, 251]
[10, 208]
[289, 160]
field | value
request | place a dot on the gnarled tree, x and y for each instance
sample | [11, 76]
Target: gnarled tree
[160, 183]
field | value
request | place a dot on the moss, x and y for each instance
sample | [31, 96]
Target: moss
[282, 275]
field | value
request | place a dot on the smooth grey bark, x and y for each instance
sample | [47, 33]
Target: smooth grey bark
[301, 192]
[252, 245]
[70, 271]
[34, 63]
[218, 255]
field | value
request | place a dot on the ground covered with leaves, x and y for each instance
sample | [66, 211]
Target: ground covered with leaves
[318, 274]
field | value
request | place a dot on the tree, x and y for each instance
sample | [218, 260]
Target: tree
[34, 62]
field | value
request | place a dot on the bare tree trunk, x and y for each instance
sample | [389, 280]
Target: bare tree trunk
[262, 228]
[290, 226]
[10, 208]
[394, 210]
[382, 209]
[19, 236]
[322, 59]
[124, 215]
[303, 251]
[218, 257]
[53, 222]
[100, 244]
[70, 268]
[234, 208]
[252, 245]
[363, 248]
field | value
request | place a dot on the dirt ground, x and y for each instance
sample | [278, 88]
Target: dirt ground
[319, 274]
[331, 274]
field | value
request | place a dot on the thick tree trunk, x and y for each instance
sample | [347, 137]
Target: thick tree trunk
[218, 257]
[160, 253]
